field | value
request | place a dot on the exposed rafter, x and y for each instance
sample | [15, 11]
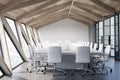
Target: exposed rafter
[33, 11]
[116, 0]
[53, 9]
[10, 5]
[50, 19]
[85, 14]
[89, 11]
[103, 5]
[80, 17]
[27, 3]
[35, 20]
[44, 12]
[92, 7]
[79, 20]
[71, 7]
[50, 22]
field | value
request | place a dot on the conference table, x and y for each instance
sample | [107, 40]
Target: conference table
[68, 58]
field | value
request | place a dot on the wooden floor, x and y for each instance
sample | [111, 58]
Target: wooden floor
[21, 74]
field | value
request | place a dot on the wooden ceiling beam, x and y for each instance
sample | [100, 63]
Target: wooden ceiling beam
[103, 5]
[35, 20]
[88, 18]
[10, 5]
[37, 9]
[89, 11]
[86, 14]
[116, 0]
[80, 17]
[92, 7]
[27, 4]
[79, 20]
[50, 22]
[50, 18]
[52, 9]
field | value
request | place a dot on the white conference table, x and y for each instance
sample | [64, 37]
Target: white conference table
[68, 58]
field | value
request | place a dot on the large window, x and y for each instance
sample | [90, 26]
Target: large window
[13, 53]
[105, 33]
[12, 26]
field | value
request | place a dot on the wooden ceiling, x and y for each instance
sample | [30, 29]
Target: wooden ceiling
[38, 13]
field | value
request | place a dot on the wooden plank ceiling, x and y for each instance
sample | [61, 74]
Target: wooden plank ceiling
[38, 13]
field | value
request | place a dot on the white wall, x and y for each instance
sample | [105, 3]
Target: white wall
[92, 33]
[65, 29]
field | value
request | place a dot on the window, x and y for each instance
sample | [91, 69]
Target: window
[13, 53]
[12, 26]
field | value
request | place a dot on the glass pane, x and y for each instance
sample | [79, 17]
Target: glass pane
[100, 32]
[116, 40]
[112, 20]
[116, 49]
[116, 19]
[107, 40]
[112, 30]
[100, 24]
[97, 26]
[107, 31]
[107, 22]
[13, 53]
[112, 40]
[116, 29]
[12, 26]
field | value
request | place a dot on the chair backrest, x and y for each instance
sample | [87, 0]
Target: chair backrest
[100, 48]
[54, 54]
[107, 49]
[107, 52]
[87, 44]
[91, 45]
[95, 46]
[82, 55]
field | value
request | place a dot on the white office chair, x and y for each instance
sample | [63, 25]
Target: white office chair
[83, 57]
[36, 61]
[54, 57]
[95, 46]
[106, 57]
[87, 44]
[100, 61]
[91, 45]
[100, 48]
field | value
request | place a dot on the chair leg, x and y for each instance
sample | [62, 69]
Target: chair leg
[58, 69]
[109, 68]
